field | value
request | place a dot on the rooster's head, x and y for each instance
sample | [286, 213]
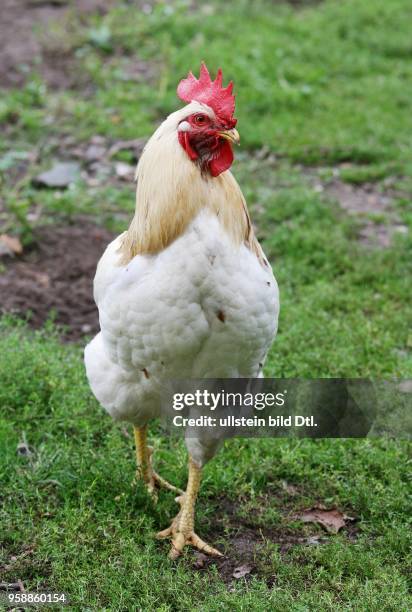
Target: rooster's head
[206, 132]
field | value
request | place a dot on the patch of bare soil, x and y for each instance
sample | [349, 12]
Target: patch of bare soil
[21, 21]
[246, 539]
[364, 201]
[57, 275]
[19, 566]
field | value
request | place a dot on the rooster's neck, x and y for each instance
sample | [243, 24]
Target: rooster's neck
[171, 192]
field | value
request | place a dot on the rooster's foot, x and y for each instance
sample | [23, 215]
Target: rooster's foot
[181, 533]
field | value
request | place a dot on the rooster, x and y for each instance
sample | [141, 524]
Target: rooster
[186, 291]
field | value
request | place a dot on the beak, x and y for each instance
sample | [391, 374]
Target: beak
[231, 135]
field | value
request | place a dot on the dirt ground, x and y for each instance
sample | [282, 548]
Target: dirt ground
[56, 276]
[247, 540]
[363, 201]
[22, 23]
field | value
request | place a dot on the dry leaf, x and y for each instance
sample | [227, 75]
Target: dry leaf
[9, 245]
[242, 571]
[332, 520]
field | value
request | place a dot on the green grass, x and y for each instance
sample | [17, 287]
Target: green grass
[90, 532]
[323, 84]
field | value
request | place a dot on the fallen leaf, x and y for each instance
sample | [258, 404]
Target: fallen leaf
[332, 520]
[242, 571]
[60, 176]
[10, 246]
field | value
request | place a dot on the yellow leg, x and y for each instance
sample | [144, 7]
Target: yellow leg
[181, 531]
[145, 470]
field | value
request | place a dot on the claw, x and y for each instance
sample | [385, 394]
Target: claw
[181, 530]
[180, 539]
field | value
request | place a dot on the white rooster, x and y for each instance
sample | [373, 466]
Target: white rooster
[186, 291]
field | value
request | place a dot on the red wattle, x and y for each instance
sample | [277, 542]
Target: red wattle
[224, 159]
[185, 142]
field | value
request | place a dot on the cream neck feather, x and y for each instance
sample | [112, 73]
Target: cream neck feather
[171, 191]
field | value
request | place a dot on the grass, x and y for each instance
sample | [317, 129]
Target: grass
[324, 83]
[90, 533]
[329, 82]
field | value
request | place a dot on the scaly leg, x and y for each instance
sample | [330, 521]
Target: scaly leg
[181, 531]
[145, 470]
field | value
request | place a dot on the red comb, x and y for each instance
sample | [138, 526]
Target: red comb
[209, 92]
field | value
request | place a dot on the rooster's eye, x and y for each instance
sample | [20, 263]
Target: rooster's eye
[200, 119]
